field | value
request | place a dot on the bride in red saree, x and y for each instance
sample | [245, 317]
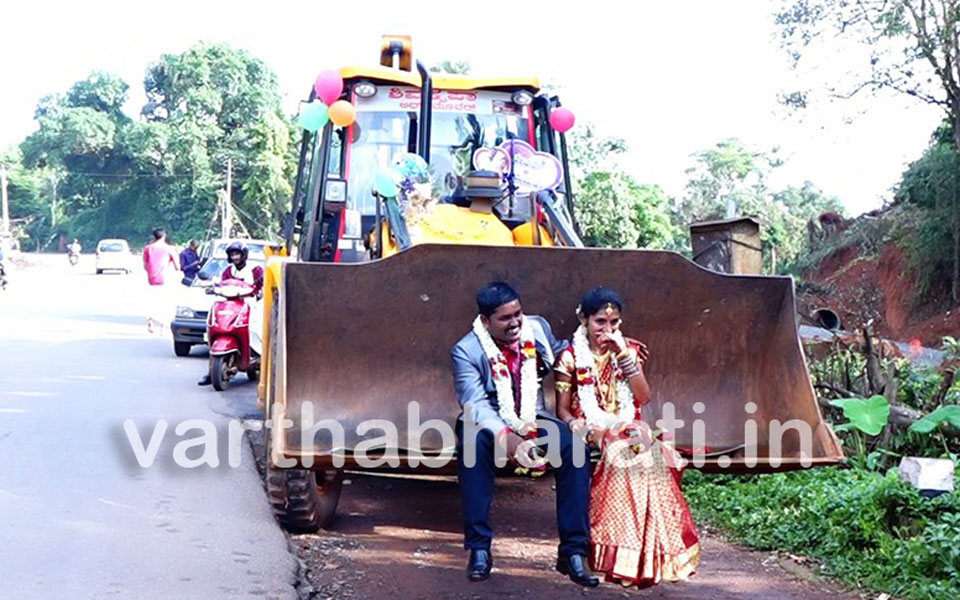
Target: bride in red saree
[641, 529]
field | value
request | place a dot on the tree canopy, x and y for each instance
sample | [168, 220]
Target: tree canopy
[612, 208]
[731, 179]
[103, 174]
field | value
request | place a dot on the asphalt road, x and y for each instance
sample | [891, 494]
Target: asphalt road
[79, 517]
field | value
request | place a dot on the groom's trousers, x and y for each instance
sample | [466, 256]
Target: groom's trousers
[573, 489]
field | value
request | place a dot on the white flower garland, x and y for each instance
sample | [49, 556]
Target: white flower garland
[587, 391]
[529, 386]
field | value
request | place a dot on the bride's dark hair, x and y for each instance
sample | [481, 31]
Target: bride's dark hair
[597, 299]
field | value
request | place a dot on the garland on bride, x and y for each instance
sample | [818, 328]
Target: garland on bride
[587, 376]
[529, 386]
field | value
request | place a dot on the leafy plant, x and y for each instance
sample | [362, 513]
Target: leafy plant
[868, 415]
[945, 414]
[918, 386]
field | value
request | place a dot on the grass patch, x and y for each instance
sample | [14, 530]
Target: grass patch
[866, 528]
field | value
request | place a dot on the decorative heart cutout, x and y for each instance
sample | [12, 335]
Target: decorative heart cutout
[532, 171]
[491, 159]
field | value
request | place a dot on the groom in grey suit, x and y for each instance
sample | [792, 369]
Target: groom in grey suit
[502, 316]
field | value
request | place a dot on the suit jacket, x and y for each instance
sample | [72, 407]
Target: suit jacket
[474, 381]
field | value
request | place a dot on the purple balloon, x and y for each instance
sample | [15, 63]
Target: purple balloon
[328, 86]
[561, 119]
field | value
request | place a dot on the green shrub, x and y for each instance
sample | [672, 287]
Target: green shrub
[865, 528]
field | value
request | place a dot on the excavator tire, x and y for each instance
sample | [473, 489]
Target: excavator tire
[303, 501]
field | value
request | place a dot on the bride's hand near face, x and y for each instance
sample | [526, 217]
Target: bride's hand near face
[613, 341]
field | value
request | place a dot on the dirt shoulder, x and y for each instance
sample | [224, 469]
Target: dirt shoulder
[401, 538]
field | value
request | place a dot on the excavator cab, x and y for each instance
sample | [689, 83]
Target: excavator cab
[468, 126]
[368, 297]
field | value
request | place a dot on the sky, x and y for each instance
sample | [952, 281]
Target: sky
[671, 78]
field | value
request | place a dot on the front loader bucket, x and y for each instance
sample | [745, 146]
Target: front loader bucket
[361, 341]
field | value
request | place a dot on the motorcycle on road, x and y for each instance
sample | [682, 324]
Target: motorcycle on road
[228, 334]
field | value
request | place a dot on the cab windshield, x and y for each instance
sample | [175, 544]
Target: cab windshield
[463, 122]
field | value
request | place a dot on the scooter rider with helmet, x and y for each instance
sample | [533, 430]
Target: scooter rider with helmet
[240, 270]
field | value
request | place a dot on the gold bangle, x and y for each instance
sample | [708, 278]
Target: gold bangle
[562, 386]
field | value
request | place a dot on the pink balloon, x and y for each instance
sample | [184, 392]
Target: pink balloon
[329, 86]
[561, 119]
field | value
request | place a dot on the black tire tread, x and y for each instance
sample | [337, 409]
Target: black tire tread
[216, 368]
[297, 502]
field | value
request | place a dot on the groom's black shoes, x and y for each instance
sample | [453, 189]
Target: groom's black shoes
[479, 565]
[575, 566]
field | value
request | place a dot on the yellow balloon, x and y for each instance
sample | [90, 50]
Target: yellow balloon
[342, 113]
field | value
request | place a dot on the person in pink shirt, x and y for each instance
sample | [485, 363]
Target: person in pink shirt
[158, 258]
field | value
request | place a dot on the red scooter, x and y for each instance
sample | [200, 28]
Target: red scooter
[228, 334]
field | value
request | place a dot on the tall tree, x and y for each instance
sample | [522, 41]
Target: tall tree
[932, 183]
[590, 151]
[223, 108]
[31, 195]
[912, 47]
[730, 174]
[613, 209]
[727, 179]
[112, 176]
[77, 143]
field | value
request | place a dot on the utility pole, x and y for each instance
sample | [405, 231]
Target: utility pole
[53, 201]
[227, 223]
[5, 226]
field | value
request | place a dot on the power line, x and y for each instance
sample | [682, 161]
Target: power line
[124, 175]
[248, 216]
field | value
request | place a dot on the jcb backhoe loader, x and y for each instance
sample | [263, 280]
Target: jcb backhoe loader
[362, 307]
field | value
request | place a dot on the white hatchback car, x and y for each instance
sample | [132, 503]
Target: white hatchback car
[114, 255]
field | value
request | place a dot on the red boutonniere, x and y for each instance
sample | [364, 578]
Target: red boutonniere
[529, 350]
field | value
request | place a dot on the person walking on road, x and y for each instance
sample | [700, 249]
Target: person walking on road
[158, 258]
[190, 262]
